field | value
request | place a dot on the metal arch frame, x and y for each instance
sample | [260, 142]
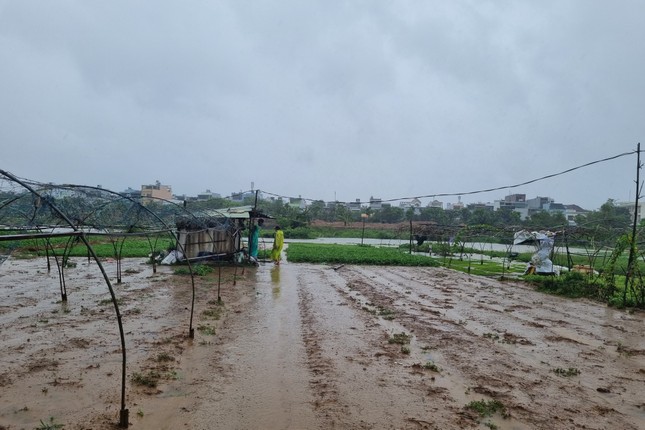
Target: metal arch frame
[48, 246]
[124, 412]
[191, 329]
[62, 218]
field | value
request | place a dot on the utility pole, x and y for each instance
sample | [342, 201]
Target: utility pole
[632, 242]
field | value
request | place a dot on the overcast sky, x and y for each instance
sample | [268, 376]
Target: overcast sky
[326, 99]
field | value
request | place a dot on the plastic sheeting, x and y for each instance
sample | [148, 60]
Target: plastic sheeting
[544, 241]
[173, 257]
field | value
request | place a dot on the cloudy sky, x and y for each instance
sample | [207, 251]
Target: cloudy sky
[326, 99]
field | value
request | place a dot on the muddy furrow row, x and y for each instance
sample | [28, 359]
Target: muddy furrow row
[480, 328]
[364, 376]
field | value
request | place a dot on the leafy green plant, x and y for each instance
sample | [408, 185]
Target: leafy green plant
[50, 425]
[197, 270]
[150, 380]
[164, 356]
[212, 313]
[400, 338]
[487, 408]
[493, 336]
[354, 254]
[571, 371]
[206, 329]
[108, 301]
[430, 365]
[386, 314]
[569, 284]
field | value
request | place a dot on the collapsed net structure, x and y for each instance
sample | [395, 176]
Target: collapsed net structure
[59, 218]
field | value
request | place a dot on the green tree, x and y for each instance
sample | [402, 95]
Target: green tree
[506, 217]
[389, 214]
[437, 215]
[546, 220]
[316, 209]
[611, 216]
[608, 223]
[344, 214]
[481, 217]
[409, 214]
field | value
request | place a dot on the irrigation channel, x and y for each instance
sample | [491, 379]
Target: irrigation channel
[302, 346]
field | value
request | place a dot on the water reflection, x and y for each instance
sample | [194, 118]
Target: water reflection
[275, 274]
[275, 280]
[398, 242]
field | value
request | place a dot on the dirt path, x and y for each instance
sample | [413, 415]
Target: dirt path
[310, 347]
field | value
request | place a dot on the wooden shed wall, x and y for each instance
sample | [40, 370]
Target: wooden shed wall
[210, 240]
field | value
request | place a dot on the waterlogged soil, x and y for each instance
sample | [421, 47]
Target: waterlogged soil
[311, 347]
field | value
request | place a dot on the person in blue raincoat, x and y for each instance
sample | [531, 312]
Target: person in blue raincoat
[255, 240]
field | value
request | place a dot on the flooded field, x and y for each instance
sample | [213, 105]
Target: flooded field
[312, 347]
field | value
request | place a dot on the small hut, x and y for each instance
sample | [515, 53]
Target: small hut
[215, 233]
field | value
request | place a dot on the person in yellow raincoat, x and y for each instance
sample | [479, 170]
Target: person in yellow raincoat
[278, 242]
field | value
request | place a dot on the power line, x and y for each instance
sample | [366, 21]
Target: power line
[487, 190]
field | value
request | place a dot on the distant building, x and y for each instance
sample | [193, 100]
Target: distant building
[207, 195]
[435, 204]
[376, 204]
[539, 203]
[297, 202]
[516, 203]
[156, 192]
[481, 206]
[572, 212]
[131, 193]
[332, 205]
[240, 196]
[515, 198]
[455, 206]
[355, 206]
[630, 206]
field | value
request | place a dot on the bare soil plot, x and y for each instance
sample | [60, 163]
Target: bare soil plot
[309, 347]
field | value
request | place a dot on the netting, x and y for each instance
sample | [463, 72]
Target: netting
[60, 217]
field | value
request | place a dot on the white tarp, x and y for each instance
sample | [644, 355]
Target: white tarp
[173, 257]
[544, 241]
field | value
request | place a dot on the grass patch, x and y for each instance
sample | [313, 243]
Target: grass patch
[430, 365]
[212, 313]
[487, 408]
[493, 336]
[485, 268]
[569, 284]
[149, 380]
[571, 371]
[103, 246]
[400, 339]
[50, 425]
[198, 270]
[164, 356]
[106, 302]
[206, 329]
[354, 254]
[386, 314]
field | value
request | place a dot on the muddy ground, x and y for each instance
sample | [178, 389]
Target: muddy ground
[312, 347]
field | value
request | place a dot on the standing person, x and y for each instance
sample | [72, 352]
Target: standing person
[278, 242]
[255, 240]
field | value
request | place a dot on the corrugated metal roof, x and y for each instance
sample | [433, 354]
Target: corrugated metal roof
[237, 212]
[234, 212]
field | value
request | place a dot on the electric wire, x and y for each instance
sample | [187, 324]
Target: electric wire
[482, 191]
